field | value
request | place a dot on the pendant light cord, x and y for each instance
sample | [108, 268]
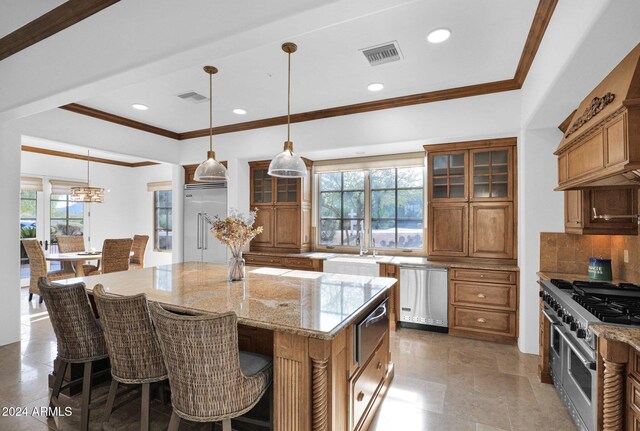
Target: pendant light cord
[88, 162]
[289, 100]
[210, 112]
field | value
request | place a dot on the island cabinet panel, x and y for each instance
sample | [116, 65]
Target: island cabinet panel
[579, 206]
[280, 260]
[491, 230]
[291, 383]
[447, 229]
[284, 210]
[365, 386]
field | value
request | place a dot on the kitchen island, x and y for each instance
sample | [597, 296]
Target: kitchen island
[306, 320]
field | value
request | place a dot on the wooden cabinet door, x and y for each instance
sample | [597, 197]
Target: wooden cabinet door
[448, 176]
[287, 229]
[572, 210]
[261, 186]
[491, 230]
[265, 218]
[491, 174]
[621, 201]
[447, 228]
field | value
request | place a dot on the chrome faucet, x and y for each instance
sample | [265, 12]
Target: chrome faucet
[360, 242]
[374, 253]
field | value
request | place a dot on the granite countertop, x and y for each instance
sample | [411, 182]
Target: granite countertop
[312, 304]
[396, 260]
[625, 334]
[571, 277]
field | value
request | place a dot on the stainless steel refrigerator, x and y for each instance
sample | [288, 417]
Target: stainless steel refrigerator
[199, 243]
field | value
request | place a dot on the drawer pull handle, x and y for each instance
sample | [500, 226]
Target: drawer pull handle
[360, 396]
[481, 320]
[481, 275]
[482, 295]
[379, 366]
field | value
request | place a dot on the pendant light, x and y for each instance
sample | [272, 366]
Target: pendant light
[287, 164]
[211, 170]
[87, 193]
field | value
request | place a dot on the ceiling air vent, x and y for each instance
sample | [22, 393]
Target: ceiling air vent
[193, 97]
[382, 54]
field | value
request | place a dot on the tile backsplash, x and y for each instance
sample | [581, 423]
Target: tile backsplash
[569, 253]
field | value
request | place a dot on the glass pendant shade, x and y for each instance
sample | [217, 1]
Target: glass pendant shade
[287, 164]
[211, 170]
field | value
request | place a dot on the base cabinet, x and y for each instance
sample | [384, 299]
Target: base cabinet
[491, 230]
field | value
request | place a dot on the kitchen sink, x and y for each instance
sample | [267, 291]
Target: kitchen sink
[355, 265]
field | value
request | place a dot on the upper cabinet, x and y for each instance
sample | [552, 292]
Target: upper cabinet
[471, 199]
[284, 210]
[601, 144]
[580, 206]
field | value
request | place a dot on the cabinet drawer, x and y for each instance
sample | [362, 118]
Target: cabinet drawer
[254, 259]
[489, 295]
[484, 275]
[365, 385]
[489, 322]
[298, 263]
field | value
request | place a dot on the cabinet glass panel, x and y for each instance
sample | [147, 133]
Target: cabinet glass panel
[262, 186]
[448, 176]
[491, 174]
[287, 189]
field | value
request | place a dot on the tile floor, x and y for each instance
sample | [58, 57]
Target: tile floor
[441, 383]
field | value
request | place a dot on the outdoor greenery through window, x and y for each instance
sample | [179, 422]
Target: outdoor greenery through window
[28, 214]
[162, 220]
[397, 208]
[394, 216]
[67, 217]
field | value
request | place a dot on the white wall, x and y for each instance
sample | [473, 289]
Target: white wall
[128, 207]
[540, 209]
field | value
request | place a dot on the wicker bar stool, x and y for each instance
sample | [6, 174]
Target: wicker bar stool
[133, 347]
[80, 339]
[38, 267]
[73, 244]
[138, 248]
[116, 254]
[210, 379]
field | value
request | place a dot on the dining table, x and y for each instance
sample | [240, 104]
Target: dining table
[77, 258]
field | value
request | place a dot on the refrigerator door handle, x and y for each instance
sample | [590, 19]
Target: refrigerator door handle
[205, 237]
[199, 235]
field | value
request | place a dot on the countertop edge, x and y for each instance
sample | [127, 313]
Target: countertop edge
[628, 335]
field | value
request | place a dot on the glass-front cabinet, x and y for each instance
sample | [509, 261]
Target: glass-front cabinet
[490, 174]
[448, 175]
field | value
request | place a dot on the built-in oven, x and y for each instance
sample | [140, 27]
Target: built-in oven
[555, 347]
[579, 380]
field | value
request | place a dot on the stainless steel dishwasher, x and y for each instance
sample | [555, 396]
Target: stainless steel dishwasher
[424, 297]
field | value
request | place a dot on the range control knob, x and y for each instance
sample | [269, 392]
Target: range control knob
[581, 333]
[573, 326]
[560, 312]
[541, 294]
[567, 318]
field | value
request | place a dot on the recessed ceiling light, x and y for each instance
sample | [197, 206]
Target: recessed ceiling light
[439, 35]
[139, 106]
[360, 153]
[239, 111]
[376, 86]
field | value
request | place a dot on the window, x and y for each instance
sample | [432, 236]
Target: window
[341, 207]
[387, 203]
[397, 208]
[28, 214]
[162, 220]
[67, 217]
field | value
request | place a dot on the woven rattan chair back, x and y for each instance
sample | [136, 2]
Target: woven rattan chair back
[70, 243]
[139, 247]
[203, 363]
[131, 340]
[80, 338]
[37, 263]
[116, 254]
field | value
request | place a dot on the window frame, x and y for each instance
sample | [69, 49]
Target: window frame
[53, 241]
[156, 230]
[35, 218]
[342, 218]
[367, 210]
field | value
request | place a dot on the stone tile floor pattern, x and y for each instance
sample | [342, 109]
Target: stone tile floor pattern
[441, 383]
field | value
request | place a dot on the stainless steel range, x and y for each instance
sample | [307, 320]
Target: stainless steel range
[571, 307]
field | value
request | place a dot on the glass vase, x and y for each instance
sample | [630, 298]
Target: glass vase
[236, 266]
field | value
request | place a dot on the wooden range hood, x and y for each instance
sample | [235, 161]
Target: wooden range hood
[601, 146]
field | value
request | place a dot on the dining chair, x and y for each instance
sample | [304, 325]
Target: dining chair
[210, 379]
[80, 340]
[133, 347]
[139, 247]
[38, 267]
[115, 255]
[74, 244]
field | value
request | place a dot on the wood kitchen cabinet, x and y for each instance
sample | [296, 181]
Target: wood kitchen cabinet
[579, 205]
[472, 199]
[284, 210]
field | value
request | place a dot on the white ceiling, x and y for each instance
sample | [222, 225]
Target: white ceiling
[16, 13]
[329, 69]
